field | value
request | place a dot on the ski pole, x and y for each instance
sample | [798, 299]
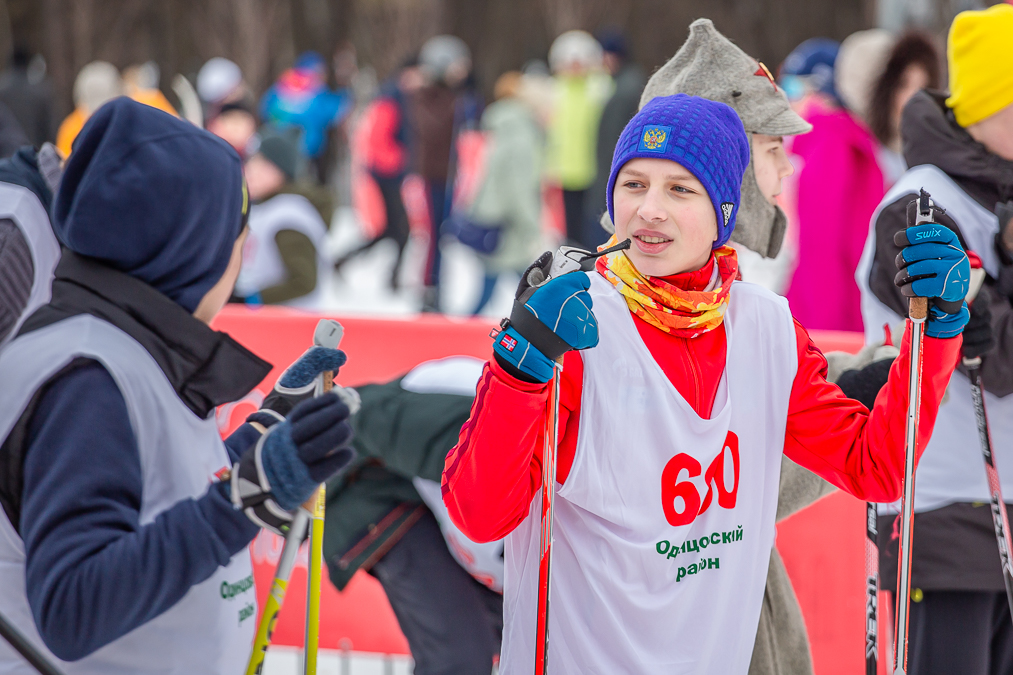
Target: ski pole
[316, 561]
[871, 591]
[268, 620]
[567, 259]
[27, 650]
[549, 453]
[328, 333]
[313, 583]
[1000, 519]
[918, 309]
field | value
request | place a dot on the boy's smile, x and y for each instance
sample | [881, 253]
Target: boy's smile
[667, 213]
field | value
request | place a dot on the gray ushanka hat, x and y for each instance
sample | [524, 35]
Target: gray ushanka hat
[709, 65]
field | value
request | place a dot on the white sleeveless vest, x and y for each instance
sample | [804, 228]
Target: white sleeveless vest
[210, 630]
[262, 264]
[951, 469]
[26, 211]
[665, 523]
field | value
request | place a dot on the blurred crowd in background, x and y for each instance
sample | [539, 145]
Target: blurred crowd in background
[424, 161]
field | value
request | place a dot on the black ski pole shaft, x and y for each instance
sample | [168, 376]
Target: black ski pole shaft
[26, 648]
[1000, 520]
[871, 591]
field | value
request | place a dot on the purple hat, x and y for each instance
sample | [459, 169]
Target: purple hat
[704, 136]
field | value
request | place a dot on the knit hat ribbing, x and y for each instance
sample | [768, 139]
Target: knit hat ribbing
[705, 137]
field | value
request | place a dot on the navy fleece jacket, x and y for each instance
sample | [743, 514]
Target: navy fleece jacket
[162, 201]
[93, 571]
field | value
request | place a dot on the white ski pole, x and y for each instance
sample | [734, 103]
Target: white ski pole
[328, 333]
[918, 309]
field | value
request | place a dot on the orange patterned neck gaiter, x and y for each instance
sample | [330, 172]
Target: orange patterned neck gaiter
[682, 313]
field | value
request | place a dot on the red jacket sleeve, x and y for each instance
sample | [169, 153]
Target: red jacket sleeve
[837, 438]
[495, 469]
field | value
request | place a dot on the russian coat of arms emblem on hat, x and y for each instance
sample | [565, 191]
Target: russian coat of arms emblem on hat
[654, 138]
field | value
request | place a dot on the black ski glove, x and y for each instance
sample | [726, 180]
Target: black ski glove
[863, 384]
[978, 338]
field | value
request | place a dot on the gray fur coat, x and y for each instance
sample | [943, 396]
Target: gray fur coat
[782, 644]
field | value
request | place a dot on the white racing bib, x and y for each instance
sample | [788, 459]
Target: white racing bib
[210, 630]
[664, 527]
[262, 263]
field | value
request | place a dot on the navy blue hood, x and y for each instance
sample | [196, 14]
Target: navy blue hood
[154, 197]
[23, 169]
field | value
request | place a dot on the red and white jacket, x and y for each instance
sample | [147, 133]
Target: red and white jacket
[494, 472]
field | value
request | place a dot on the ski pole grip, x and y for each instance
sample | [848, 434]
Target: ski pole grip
[918, 308]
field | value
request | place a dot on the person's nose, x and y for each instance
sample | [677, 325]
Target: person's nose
[652, 209]
[786, 168]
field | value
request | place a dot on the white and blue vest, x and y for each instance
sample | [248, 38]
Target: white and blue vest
[210, 630]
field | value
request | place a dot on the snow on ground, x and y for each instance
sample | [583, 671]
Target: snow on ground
[362, 286]
[289, 661]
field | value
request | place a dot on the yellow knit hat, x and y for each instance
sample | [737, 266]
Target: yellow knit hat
[980, 55]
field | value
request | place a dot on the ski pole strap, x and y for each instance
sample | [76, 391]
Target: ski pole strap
[537, 333]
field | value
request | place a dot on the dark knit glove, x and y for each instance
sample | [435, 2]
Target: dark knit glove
[978, 338]
[291, 460]
[298, 382]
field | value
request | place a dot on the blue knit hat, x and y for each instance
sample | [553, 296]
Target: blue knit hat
[704, 136]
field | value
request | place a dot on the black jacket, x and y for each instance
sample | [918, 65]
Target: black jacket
[932, 136]
[954, 547]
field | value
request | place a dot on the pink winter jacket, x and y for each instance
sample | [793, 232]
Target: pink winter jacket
[840, 184]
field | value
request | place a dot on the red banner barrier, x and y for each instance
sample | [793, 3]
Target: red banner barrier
[822, 546]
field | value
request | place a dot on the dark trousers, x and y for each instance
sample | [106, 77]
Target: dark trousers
[960, 633]
[488, 286]
[453, 623]
[573, 206]
[438, 212]
[397, 225]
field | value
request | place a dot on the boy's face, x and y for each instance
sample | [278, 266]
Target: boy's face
[667, 213]
[995, 132]
[215, 299]
[770, 164]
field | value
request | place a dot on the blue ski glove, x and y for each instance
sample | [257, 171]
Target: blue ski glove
[549, 319]
[298, 381]
[943, 325]
[291, 460]
[933, 265]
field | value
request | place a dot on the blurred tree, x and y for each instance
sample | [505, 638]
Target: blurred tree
[264, 36]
